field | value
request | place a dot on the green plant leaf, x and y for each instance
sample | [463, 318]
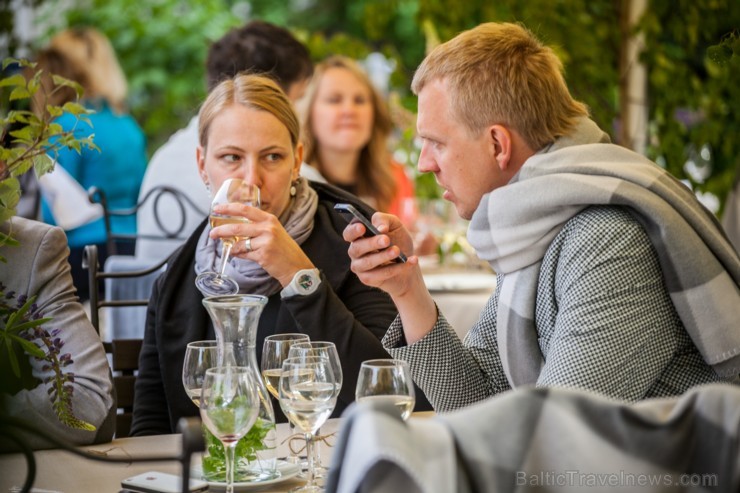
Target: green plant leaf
[43, 164]
[19, 92]
[75, 109]
[13, 80]
[28, 346]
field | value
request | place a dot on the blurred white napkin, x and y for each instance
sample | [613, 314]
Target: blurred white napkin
[68, 200]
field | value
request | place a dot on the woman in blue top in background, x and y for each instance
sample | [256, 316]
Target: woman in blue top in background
[117, 166]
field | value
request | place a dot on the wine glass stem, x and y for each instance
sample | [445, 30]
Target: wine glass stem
[309, 457]
[317, 454]
[230, 450]
[225, 252]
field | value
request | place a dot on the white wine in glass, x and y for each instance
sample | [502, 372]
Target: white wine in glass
[327, 350]
[387, 380]
[233, 190]
[307, 397]
[275, 350]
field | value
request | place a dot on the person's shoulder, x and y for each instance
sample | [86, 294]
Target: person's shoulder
[29, 231]
[330, 195]
[601, 230]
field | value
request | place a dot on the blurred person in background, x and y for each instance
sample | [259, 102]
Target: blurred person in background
[256, 47]
[85, 56]
[346, 125]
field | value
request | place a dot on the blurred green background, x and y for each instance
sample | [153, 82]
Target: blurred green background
[691, 52]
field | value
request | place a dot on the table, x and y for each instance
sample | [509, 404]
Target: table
[461, 296]
[61, 471]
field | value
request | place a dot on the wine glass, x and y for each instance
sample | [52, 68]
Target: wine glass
[229, 406]
[327, 350]
[307, 397]
[387, 380]
[274, 352]
[199, 356]
[232, 190]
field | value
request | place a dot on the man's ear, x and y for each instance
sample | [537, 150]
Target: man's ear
[501, 145]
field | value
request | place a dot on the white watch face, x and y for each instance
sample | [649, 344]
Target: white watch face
[306, 282]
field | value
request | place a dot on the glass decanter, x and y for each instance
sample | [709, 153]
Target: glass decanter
[235, 320]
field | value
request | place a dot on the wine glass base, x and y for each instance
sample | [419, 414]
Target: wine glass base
[308, 489]
[212, 284]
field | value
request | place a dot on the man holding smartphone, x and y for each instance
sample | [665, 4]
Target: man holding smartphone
[611, 277]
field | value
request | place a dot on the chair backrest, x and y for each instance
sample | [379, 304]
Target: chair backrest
[164, 200]
[123, 353]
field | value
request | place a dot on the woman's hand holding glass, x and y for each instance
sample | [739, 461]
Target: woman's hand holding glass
[307, 397]
[229, 406]
[387, 380]
[233, 190]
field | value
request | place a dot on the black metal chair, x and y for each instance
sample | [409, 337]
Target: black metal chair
[168, 230]
[124, 353]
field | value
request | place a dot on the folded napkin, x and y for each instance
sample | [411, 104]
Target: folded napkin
[378, 451]
[547, 439]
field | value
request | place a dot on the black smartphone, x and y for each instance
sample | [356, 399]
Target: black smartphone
[353, 215]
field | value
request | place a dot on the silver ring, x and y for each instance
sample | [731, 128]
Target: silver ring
[248, 244]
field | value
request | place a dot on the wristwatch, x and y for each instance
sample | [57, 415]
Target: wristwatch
[305, 282]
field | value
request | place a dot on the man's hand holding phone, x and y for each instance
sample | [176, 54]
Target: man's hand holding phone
[373, 257]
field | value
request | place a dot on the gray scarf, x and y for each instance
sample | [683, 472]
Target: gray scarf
[298, 221]
[514, 225]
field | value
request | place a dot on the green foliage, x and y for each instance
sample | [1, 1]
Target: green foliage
[162, 46]
[214, 466]
[31, 136]
[694, 69]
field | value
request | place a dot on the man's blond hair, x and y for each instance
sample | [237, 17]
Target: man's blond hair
[500, 73]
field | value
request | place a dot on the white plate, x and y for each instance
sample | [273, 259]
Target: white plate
[460, 281]
[286, 469]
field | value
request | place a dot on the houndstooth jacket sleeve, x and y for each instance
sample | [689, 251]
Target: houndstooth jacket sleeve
[604, 321]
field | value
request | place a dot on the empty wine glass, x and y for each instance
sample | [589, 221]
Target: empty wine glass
[307, 397]
[232, 190]
[199, 356]
[229, 406]
[274, 351]
[327, 350]
[387, 380]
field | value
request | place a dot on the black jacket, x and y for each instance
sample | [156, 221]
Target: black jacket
[343, 310]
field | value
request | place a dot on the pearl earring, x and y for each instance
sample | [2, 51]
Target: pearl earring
[293, 191]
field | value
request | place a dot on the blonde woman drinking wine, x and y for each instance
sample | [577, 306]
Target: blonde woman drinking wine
[295, 254]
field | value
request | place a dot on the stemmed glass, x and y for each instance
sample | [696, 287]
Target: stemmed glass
[274, 351]
[387, 380]
[232, 190]
[307, 397]
[229, 406]
[327, 350]
[199, 357]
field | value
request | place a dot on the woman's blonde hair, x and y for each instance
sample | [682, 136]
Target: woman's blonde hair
[499, 73]
[85, 56]
[252, 91]
[374, 174]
